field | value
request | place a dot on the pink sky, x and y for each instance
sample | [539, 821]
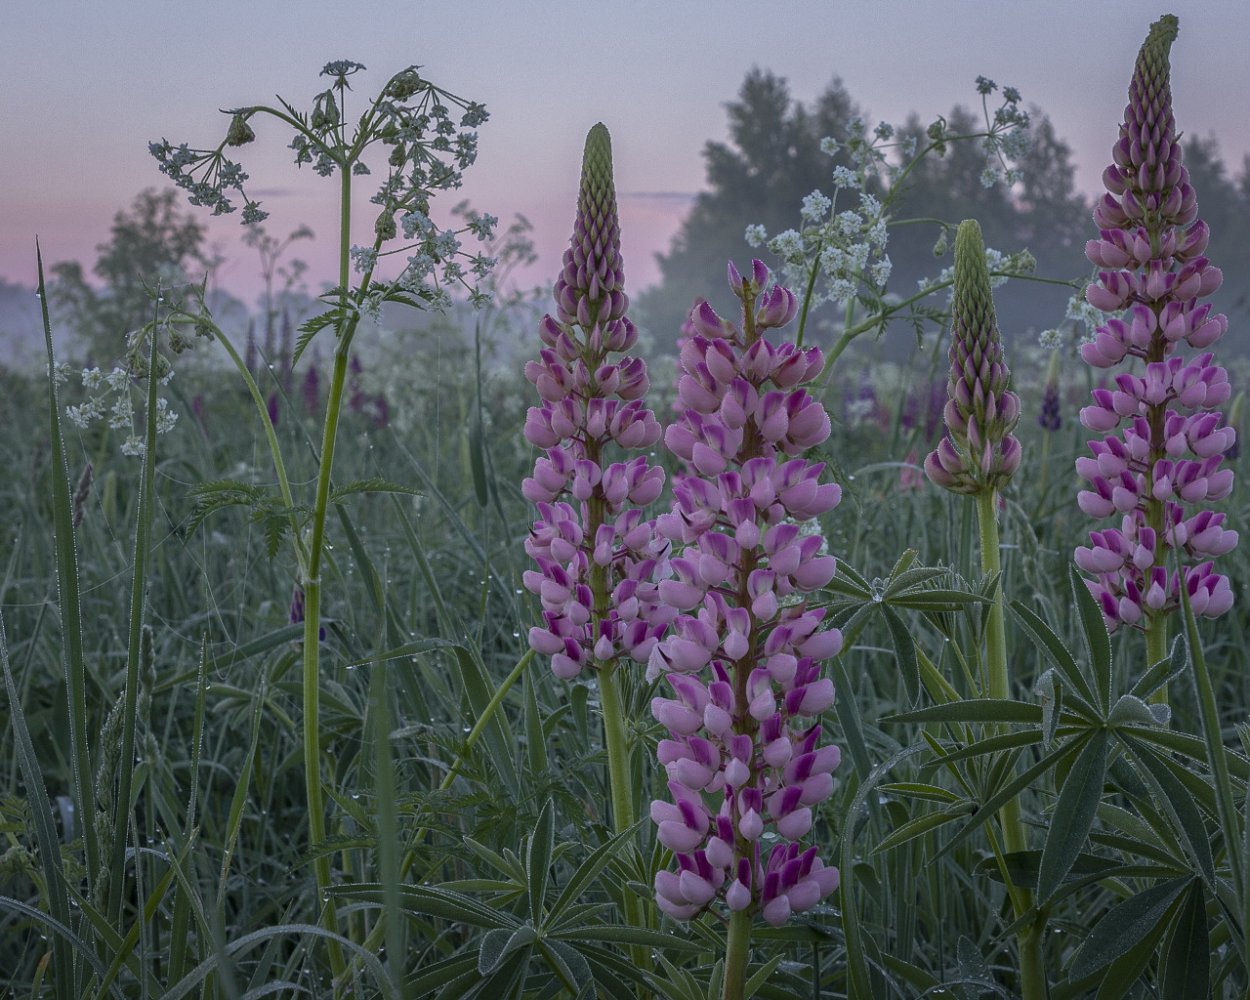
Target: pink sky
[88, 85]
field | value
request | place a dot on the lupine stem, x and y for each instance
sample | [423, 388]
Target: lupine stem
[620, 778]
[737, 955]
[1029, 939]
[1156, 650]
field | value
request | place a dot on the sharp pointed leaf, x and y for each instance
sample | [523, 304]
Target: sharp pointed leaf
[1074, 814]
[1124, 925]
[1097, 638]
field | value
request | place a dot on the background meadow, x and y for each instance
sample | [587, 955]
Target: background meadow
[469, 844]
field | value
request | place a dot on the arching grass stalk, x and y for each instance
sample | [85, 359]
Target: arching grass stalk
[138, 593]
[73, 658]
[976, 458]
[412, 119]
[205, 323]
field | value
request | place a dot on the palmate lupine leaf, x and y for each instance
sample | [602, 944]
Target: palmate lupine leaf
[1073, 815]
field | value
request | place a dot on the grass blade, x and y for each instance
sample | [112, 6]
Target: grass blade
[71, 608]
[67, 984]
[1074, 814]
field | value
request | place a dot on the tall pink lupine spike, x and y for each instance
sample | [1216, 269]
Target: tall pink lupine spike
[595, 552]
[1165, 435]
[743, 660]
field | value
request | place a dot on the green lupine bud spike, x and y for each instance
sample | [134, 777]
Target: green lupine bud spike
[978, 452]
[590, 290]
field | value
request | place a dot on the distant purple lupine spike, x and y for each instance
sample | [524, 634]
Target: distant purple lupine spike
[297, 611]
[356, 398]
[743, 659]
[922, 409]
[381, 411]
[312, 390]
[249, 351]
[1165, 436]
[272, 404]
[1050, 417]
[595, 551]
[197, 408]
[287, 350]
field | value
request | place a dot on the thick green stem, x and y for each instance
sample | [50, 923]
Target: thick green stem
[617, 745]
[1015, 837]
[312, 592]
[620, 777]
[737, 955]
[1156, 650]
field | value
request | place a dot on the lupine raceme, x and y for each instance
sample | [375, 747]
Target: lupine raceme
[1159, 463]
[742, 661]
[595, 550]
[978, 454]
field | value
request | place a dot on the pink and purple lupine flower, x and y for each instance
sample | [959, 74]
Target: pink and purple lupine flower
[979, 452]
[312, 390]
[596, 552]
[742, 661]
[1159, 463]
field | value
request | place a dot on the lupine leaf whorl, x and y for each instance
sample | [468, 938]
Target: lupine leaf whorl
[979, 452]
[590, 289]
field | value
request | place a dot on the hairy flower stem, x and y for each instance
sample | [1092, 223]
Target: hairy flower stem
[1156, 650]
[615, 739]
[737, 953]
[620, 778]
[312, 592]
[1028, 939]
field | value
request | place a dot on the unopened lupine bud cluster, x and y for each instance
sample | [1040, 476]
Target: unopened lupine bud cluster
[594, 548]
[742, 660]
[1165, 436]
[979, 452]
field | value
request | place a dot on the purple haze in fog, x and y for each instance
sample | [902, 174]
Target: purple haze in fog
[88, 85]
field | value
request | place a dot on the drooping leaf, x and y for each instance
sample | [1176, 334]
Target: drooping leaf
[1124, 925]
[1045, 638]
[1185, 970]
[1097, 638]
[538, 860]
[1073, 814]
[904, 652]
[988, 710]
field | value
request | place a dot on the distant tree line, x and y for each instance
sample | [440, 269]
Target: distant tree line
[773, 159]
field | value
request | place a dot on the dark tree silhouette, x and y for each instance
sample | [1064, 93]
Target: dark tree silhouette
[153, 240]
[773, 158]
